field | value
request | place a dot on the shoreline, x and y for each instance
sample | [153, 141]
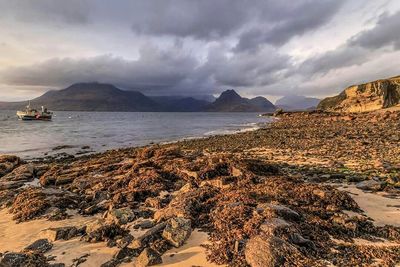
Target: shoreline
[69, 150]
[235, 187]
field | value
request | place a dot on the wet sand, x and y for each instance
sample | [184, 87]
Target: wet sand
[65, 251]
[383, 210]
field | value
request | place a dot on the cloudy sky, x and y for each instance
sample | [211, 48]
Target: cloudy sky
[168, 47]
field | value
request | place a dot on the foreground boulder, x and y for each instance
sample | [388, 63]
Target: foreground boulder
[185, 203]
[143, 224]
[29, 259]
[148, 257]
[371, 185]
[149, 236]
[120, 216]
[58, 233]
[40, 245]
[101, 230]
[263, 251]
[13, 259]
[177, 231]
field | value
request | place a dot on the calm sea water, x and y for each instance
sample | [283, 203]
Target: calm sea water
[105, 130]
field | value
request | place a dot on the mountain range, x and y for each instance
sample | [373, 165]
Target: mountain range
[107, 97]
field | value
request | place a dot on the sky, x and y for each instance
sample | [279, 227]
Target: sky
[270, 48]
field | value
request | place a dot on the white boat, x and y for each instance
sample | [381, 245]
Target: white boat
[32, 114]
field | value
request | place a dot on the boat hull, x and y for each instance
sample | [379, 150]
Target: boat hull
[34, 118]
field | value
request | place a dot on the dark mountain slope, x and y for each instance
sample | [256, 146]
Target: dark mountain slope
[230, 101]
[91, 97]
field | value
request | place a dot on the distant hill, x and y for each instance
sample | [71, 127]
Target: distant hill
[295, 102]
[384, 93]
[230, 101]
[91, 97]
[107, 97]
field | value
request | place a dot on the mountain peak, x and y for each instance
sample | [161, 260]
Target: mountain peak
[229, 97]
[89, 86]
[229, 93]
[231, 101]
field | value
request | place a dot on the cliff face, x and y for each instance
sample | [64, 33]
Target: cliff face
[365, 97]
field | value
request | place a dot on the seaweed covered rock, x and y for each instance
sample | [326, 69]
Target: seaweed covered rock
[62, 233]
[40, 245]
[29, 259]
[267, 251]
[33, 202]
[120, 216]
[21, 173]
[186, 204]
[148, 257]
[149, 237]
[8, 163]
[273, 210]
[13, 259]
[101, 230]
[29, 204]
[177, 231]
[274, 226]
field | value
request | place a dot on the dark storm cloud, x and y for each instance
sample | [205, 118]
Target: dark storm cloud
[199, 19]
[245, 69]
[46, 11]
[154, 69]
[276, 21]
[297, 20]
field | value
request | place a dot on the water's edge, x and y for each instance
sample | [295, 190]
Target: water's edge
[83, 133]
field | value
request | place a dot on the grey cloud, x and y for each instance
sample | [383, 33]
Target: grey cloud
[47, 11]
[341, 57]
[154, 70]
[279, 20]
[298, 19]
[199, 19]
[358, 49]
[246, 69]
[157, 72]
[385, 33]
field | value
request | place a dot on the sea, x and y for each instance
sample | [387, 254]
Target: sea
[77, 133]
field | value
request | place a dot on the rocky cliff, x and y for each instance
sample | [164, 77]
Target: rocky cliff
[370, 96]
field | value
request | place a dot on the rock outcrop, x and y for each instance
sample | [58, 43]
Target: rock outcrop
[365, 97]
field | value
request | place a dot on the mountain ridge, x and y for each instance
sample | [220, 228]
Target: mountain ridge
[297, 102]
[106, 97]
